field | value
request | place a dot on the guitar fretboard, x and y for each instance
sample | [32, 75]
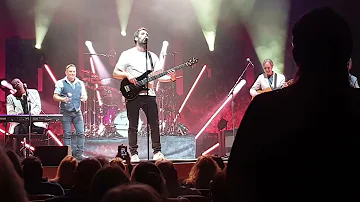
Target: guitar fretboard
[152, 78]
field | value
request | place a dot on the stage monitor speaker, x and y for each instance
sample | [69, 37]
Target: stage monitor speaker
[51, 155]
[229, 140]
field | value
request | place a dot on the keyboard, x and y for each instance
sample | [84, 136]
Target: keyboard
[24, 118]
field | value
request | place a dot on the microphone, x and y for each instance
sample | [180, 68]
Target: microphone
[249, 61]
[25, 86]
[146, 39]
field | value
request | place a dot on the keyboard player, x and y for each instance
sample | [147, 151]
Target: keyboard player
[18, 103]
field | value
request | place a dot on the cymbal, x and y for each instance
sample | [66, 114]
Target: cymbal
[90, 74]
[92, 80]
[86, 71]
[109, 90]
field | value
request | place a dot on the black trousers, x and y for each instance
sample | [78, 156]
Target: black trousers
[149, 106]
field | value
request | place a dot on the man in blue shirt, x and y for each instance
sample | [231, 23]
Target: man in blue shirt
[70, 92]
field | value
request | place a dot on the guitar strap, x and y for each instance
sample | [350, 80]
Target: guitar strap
[152, 64]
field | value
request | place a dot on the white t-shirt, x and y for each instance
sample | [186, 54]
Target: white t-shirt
[132, 61]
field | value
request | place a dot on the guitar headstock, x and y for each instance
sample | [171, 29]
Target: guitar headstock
[192, 61]
[290, 82]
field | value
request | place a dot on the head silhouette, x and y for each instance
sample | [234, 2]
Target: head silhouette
[322, 44]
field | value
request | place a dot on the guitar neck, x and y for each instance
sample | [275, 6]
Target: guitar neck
[152, 78]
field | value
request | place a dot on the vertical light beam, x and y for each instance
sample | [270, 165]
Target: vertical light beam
[44, 12]
[123, 8]
[189, 93]
[236, 90]
[50, 73]
[207, 12]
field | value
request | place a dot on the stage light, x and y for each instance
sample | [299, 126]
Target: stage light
[101, 70]
[44, 11]
[7, 85]
[222, 124]
[96, 85]
[207, 13]
[123, 9]
[50, 73]
[236, 90]
[268, 31]
[165, 43]
[28, 146]
[55, 138]
[189, 93]
[210, 149]
[88, 43]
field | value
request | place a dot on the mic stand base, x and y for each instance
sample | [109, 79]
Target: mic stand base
[26, 151]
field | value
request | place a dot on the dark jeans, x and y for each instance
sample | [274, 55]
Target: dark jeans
[77, 120]
[149, 106]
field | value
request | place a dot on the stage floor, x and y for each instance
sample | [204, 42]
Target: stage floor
[173, 147]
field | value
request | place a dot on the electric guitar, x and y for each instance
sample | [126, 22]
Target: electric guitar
[131, 91]
[290, 82]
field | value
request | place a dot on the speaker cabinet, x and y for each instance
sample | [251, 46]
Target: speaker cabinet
[51, 155]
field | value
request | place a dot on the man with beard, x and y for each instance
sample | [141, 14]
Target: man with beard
[132, 64]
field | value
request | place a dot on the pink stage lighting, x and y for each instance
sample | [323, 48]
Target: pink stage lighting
[236, 90]
[96, 85]
[8, 86]
[55, 138]
[190, 91]
[50, 73]
[28, 146]
[3, 131]
[210, 149]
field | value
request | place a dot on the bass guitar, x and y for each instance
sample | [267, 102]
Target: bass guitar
[131, 91]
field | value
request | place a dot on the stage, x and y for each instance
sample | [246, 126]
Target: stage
[173, 147]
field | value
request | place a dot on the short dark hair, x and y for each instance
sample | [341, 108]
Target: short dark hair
[136, 34]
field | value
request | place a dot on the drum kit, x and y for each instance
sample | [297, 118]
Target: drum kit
[104, 112]
[106, 117]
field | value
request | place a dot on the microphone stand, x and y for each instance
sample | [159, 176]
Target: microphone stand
[100, 54]
[41, 111]
[147, 106]
[28, 103]
[231, 93]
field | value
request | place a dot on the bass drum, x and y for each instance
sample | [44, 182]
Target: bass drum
[121, 123]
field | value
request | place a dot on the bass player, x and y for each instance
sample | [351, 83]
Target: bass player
[132, 64]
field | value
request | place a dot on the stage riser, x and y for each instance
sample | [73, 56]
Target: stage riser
[173, 147]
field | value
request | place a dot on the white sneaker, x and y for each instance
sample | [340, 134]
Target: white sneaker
[135, 158]
[158, 155]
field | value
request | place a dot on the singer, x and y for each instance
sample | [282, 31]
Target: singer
[267, 81]
[132, 64]
[18, 103]
[70, 92]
